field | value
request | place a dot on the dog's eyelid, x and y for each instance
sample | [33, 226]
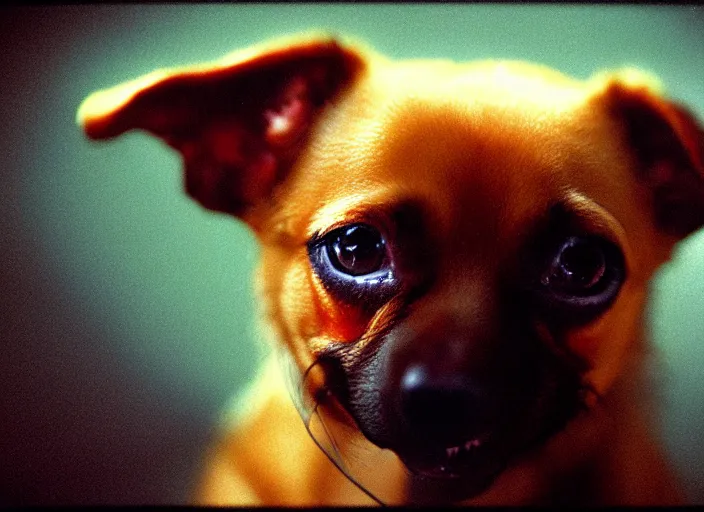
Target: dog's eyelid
[321, 234]
[583, 216]
[380, 218]
[382, 208]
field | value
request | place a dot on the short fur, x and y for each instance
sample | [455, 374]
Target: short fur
[469, 171]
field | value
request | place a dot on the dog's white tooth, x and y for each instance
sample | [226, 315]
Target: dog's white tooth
[451, 452]
[474, 443]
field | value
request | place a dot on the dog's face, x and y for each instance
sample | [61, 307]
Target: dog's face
[464, 250]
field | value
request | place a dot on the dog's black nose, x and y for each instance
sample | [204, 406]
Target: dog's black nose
[442, 407]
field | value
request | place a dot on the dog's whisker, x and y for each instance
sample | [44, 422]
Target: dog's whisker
[328, 444]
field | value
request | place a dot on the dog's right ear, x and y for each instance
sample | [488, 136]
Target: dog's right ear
[239, 123]
[668, 144]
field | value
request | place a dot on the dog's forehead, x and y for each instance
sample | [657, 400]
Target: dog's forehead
[460, 121]
[460, 136]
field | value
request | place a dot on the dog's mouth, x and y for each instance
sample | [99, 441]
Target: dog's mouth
[460, 456]
[459, 471]
[465, 469]
[453, 461]
[474, 463]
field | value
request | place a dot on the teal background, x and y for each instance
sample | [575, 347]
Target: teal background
[126, 309]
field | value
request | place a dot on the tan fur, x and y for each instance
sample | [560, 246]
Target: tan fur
[484, 147]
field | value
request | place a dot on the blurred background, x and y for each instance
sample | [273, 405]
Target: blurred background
[125, 309]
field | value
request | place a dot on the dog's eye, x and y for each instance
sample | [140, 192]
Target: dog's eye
[578, 267]
[581, 277]
[356, 250]
[353, 262]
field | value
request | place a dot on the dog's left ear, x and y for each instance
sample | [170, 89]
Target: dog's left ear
[668, 145]
[239, 123]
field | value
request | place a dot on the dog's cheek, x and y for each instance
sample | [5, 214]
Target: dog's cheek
[337, 321]
[312, 314]
[608, 342]
[297, 303]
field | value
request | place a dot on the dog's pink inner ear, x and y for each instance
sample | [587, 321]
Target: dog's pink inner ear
[668, 144]
[240, 127]
[288, 118]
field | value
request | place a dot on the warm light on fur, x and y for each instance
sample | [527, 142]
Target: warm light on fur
[305, 136]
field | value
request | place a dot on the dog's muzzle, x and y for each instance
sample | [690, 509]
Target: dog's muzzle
[454, 419]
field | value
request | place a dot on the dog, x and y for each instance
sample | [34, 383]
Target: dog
[455, 261]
